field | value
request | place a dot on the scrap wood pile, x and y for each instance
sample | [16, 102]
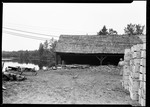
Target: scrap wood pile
[11, 73]
[134, 73]
[73, 66]
[21, 69]
[111, 69]
[6, 76]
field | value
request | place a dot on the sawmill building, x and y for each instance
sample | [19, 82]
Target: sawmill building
[93, 49]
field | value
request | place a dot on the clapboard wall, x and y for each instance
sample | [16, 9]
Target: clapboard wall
[134, 72]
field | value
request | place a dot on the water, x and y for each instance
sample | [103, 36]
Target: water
[24, 63]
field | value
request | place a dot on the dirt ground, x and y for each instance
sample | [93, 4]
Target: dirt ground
[96, 85]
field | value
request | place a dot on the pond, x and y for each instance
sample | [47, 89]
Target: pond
[37, 64]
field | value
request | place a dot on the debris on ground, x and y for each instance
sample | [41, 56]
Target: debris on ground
[95, 85]
[21, 70]
[6, 76]
[75, 66]
[109, 69]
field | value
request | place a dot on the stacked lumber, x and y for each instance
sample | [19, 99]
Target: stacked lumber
[76, 66]
[135, 69]
[134, 72]
[126, 69]
[142, 76]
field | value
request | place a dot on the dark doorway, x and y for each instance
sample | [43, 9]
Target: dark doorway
[90, 59]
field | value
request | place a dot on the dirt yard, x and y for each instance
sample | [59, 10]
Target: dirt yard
[96, 85]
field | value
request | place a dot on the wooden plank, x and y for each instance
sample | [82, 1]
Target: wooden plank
[136, 68]
[143, 102]
[141, 84]
[135, 75]
[132, 62]
[139, 92]
[138, 54]
[133, 49]
[143, 62]
[126, 82]
[144, 46]
[135, 86]
[142, 69]
[134, 96]
[136, 61]
[134, 55]
[144, 86]
[143, 54]
[126, 51]
[140, 76]
[143, 93]
[139, 100]
[144, 77]
[139, 47]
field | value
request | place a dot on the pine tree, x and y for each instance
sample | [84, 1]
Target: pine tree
[103, 31]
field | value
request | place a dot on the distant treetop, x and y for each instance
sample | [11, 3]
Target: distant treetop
[104, 31]
[134, 29]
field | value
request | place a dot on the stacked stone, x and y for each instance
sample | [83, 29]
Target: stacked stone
[126, 69]
[142, 76]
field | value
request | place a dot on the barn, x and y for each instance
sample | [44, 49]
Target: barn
[93, 49]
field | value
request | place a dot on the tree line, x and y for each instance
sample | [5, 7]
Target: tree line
[45, 53]
[131, 29]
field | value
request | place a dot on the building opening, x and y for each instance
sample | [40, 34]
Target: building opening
[89, 59]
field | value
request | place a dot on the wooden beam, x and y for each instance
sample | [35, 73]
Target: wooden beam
[101, 59]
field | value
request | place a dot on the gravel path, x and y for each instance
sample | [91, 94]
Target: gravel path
[74, 86]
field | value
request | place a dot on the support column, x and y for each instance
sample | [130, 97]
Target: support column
[56, 59]
[101, 59]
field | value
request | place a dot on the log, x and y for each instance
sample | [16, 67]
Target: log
[14, 68]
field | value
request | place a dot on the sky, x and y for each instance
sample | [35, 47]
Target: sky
[26, 25]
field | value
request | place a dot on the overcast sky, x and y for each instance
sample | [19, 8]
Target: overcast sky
[55, 19]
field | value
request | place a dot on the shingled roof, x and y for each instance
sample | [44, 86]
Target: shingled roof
[90, 44]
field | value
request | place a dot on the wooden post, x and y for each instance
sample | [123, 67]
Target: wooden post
[2, 65]
[101, 59]
[63, 62]
[56, 60]
[60, 62]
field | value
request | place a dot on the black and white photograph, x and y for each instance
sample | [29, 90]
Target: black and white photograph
[74, 53]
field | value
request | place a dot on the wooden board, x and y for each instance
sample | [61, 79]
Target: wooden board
[142, 69]
[143, 62]
[135, 75]
[136, 68]
[143, 54]
[136, 61]
[134, 96]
